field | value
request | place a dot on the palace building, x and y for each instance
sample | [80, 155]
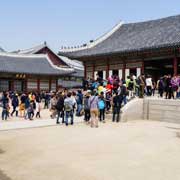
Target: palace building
[71, 80]
[38, 69]
[29, 72]
[151, 47]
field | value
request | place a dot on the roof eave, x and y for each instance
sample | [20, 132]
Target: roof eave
[126, 52]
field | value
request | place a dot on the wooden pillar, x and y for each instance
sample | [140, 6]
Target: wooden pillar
[57, 85]
[93, 71]
[142, 68]
[50, 81]
[26, 85]
[175, 65]
[123, 70]
[107, 70]
[85, 70]
[12, 85]
[38, 85]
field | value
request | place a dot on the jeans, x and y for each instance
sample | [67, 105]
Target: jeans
[60, 114]
[79, 108]
[149, 90]
[108, 105]
[116, 112]
[125, 100]
[69, 114]
[30, 115]
[4, 114]
[87, 115]
[102, 114]
[14, 110]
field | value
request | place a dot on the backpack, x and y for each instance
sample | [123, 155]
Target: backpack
[101, 104]
[130, 85]
[60, 104]
[67, 106]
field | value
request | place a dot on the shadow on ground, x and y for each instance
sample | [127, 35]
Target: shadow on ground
[1, 151]
[173, 128]
[178, 134]
[3, 176]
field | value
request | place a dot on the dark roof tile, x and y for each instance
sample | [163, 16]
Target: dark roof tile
[30, 64]
[136, 37]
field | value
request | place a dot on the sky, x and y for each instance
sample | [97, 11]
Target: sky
[27, 23]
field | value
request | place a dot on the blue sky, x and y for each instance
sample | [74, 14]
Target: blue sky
[26, 23]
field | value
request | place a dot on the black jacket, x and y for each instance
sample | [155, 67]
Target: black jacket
[60, 104]
[117, 101]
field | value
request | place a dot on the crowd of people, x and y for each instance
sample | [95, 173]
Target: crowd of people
[96, 99]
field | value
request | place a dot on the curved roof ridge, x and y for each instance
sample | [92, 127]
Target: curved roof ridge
[152, 20]
[22, 55]
[97, 41]
[71, 70]
[1, 49]
[33, 49]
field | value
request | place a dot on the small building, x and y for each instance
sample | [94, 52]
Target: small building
[151, 47]
[29, 72]
[71, 80]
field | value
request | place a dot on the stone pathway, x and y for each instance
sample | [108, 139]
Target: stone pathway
[22, 124]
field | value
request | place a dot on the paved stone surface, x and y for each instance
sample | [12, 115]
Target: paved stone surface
[20, 123]
[135, 150]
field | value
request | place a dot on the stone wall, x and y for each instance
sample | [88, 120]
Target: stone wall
[133, 110]
[161, 110]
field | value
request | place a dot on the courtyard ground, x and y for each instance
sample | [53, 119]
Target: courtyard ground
[135, 150]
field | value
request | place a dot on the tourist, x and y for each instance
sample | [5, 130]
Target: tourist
[130, 86]
[73, 96]
[27, 104]
[169, 90]
[93, 104]
[30, 110]
[53, 103]
[15, 104]
[174, 83]
[60, 108]
[5, 106]
[116, 104]
[22, 105]
[101, 106]
[68, 107]
[149, 85]
[79, 101]
[46, 100]
[160, 87]
[108, 101]
[153, 87]
[38, 106]
[141, 81]
[87, 108]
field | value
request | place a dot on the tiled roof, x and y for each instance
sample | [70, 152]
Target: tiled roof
[30, 64]
[76, 65]
[72, 63]
[32, 50]
[140, 36]
[1, 49]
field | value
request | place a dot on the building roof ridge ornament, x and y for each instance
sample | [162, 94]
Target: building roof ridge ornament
[95, 42]
[33, 49]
